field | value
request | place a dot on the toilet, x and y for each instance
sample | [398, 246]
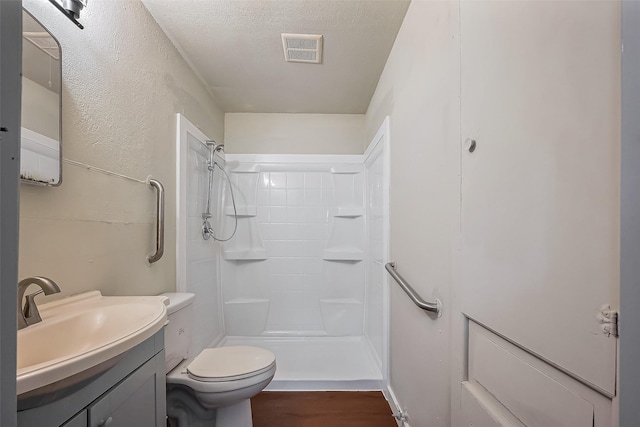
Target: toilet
[214, 387]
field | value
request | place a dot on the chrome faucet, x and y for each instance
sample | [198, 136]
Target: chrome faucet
[29, 314]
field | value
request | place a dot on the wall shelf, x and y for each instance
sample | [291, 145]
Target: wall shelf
[244, 254]
[346, 169]
[348, 212]
[243, 211]
[247, 301]
[345, 254]
[341, 301]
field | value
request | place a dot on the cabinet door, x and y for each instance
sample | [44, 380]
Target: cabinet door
[79, 420]
[139, 400]
[540, 193]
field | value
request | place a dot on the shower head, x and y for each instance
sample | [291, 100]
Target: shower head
[215, 147]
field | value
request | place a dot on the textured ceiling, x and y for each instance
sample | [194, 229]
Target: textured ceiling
[236, 48]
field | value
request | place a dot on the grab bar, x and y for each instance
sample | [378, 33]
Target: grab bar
[159, 221]
[434, 307]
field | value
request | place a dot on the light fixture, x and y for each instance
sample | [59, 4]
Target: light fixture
[74, 6]
[71, 9]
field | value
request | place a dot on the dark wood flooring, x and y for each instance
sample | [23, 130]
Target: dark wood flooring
[321, 409]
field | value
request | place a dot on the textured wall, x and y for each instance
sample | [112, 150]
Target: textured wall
[249, 133]
[419, 89]
[122, 84]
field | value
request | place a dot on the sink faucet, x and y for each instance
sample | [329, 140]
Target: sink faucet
[30, 314]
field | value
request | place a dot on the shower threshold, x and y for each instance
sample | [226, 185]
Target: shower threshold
[318, 363]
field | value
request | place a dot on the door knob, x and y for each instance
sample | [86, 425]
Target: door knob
[470, 144]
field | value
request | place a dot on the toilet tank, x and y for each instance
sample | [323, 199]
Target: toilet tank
[177, 333]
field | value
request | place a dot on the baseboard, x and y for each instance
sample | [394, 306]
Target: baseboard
[325, 385]
[394, 404]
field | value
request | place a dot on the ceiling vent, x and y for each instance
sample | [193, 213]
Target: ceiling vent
[302, 48]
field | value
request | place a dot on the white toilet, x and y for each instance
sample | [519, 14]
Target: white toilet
[214, 387]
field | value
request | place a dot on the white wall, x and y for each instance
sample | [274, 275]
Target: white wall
[250, 133]
[122, 84]
[419, 90]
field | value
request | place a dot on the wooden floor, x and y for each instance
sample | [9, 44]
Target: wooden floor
[321, 409]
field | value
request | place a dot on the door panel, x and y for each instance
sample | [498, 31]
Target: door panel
[535, 398]
[540, 194]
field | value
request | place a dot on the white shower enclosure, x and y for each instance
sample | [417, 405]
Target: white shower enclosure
[304, 275]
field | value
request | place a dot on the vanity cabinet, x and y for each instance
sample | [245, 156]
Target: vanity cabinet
[80, 420]
[133, 402]
[131, 393]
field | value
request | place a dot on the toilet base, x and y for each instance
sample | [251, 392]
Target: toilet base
[238, 415]
[184, 410]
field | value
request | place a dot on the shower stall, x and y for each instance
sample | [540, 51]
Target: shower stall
[303, 275]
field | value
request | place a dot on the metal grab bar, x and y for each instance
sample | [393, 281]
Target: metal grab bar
[159, 221]
[434, 307]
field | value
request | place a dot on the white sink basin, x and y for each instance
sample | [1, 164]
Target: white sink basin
[81, 332]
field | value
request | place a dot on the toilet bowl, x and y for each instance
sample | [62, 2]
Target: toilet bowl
[214, 387]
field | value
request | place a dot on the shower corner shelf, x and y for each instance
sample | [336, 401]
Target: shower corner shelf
[348, 212]
[244, 169]
[346, 301]
[241, 301]
[346, 169]
[244, 254]
[242, 211]
[345, 254]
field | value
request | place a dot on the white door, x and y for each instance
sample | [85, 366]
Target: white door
[540, 193]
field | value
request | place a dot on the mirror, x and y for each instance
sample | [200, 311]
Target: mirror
[41, 151]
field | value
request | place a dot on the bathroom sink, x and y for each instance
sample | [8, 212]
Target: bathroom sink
[82, 334]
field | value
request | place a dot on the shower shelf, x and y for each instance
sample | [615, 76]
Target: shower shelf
[244, 211]
[351, 212]
[244, 254]
[346, 169]
[346, 254]
[352, 301]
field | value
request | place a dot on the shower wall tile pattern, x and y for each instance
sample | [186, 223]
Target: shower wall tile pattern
[278, 279]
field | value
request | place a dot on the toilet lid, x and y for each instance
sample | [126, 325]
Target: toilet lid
[230, 363]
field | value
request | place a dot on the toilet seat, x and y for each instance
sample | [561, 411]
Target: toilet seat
[230, 363]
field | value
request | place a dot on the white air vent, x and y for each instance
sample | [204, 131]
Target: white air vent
[302, 48]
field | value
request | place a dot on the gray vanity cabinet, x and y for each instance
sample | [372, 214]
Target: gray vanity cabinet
[80, 420]
[133, 402]
[131, 393]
